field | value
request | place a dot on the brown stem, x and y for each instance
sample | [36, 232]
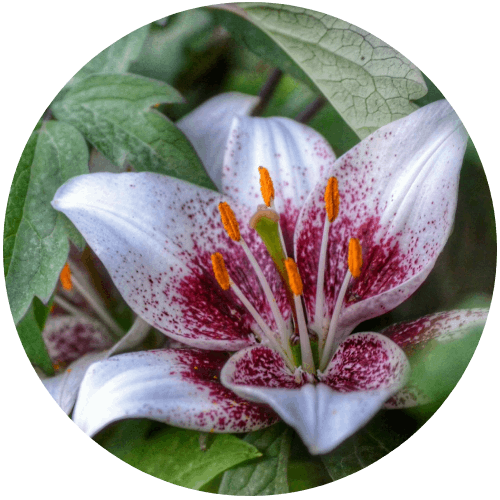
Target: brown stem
[310, 110]
[267, 91]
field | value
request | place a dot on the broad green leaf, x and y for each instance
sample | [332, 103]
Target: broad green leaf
[117, 57]
[267, 475]
[30, 332]
[307, 473]
[35, 235]
[167, 49]
[383, 434]
[113, 113]
[437, 368]
[174, 455]
[367, 82]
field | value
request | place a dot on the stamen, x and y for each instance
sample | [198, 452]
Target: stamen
[65, 278]
[229, 221]
[280, 322]
[266, 186]
[294, 277]
[222, 277]
[297, 288]
[220, 271]
[332, 199]
[355, 257]
[354, 262]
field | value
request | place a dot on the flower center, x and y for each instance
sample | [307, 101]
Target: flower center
[266, 223]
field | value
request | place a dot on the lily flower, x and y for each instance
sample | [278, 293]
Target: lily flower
[365, 231]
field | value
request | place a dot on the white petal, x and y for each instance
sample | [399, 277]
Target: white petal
[155, 235]
[322, 417]
[207, 128]
[398, 192]
[295, 155]
[177, 386]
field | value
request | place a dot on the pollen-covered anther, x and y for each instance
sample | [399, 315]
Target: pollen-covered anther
[293, 276]
[332, 199]
[229, 221]
[65, 278]
[266, 186]
[355, 257]
[220, 271]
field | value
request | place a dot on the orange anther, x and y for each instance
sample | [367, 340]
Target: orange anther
[294, 277]
[220, 271]
[266, 186]
[229, 221]
[65, 277]
[332, 199]
[355, 257]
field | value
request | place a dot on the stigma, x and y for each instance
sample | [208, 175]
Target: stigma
[267, 225]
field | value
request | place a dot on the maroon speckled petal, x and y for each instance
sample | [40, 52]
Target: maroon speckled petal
[398, 192]
[412, 336]
[155, 236]
[68, 338]
[367, 362]
[444, 327]
[324, 413]
[259, 366]
[180, 387]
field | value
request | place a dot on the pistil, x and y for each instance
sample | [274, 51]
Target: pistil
[267, 191]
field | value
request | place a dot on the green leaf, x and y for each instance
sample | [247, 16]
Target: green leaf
[113, 113]
[368, 82]
[166, 51]
[383, 434]
[267, 475]
[35, 235]
[30, 332]
[117, 57]
[173, 454]
[437, 368]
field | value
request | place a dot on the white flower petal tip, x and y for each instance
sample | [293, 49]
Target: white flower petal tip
[207, 128]
[322, 417]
